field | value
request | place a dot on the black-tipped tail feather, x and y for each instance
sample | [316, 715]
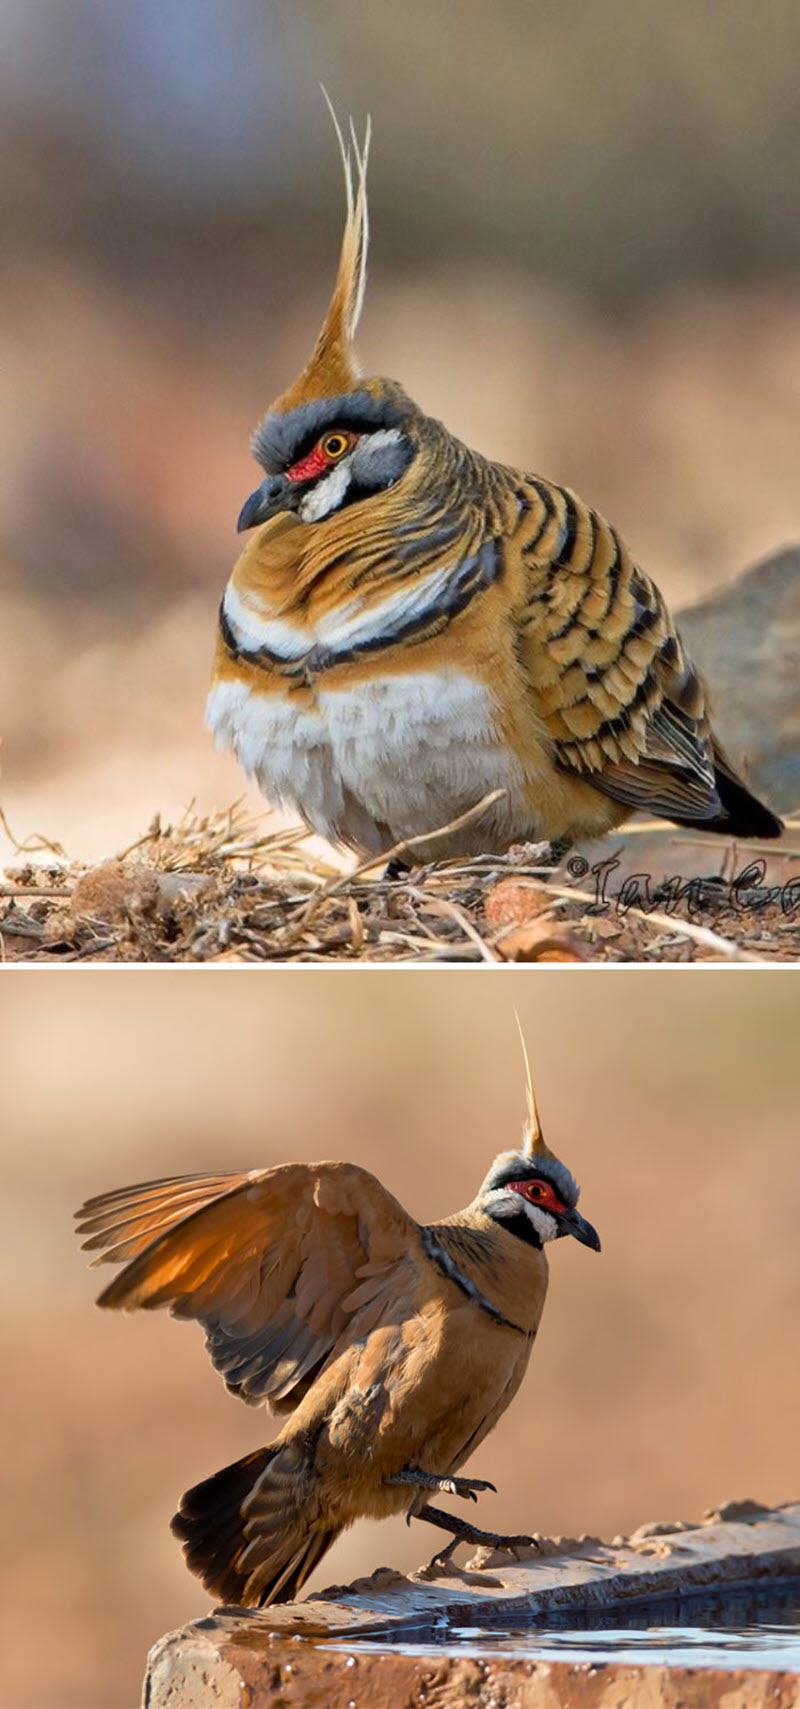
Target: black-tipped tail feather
[740, 813]
[250, 1546]
[743, 815]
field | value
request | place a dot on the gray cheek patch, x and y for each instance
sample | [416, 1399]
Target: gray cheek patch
[380, 459]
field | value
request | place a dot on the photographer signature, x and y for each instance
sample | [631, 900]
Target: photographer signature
[746, 891]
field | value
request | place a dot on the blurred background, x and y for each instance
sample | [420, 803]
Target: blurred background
[585, 258]
[665, 1376]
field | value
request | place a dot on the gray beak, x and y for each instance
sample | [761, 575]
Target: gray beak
[570, 1222]
[265, 502]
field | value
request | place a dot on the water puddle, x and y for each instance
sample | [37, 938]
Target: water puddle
[758, 1629]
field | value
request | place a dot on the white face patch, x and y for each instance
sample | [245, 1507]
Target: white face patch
[327, 494]
[545, 1224]
[498, 1201]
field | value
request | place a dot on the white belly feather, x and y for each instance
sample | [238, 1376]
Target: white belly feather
[390, 758]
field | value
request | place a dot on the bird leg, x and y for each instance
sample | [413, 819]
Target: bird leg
[559, 847]
[395, 869]
[465, 1487]
[463, 1532]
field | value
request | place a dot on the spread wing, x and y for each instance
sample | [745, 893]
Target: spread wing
[620, 698]
[277, 1264]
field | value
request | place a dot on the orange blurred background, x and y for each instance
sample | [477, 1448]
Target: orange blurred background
[586, 259]
[665, 1377]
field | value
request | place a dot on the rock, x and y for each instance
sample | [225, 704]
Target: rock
[388, 1641]
[512, 902]
[541, 940]
[746, 641]
[117, 892]
[729, 1512]
[109, 894]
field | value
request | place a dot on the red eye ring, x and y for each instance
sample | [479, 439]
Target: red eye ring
[329, 449]
[538, 1193]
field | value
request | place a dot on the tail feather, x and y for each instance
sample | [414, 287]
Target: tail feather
[745, 815]
[741, 814]
[251, 1532]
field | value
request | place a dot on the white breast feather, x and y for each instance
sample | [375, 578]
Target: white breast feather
[390, 758]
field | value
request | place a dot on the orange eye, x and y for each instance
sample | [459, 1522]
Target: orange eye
[538, 1192]
[334, 445]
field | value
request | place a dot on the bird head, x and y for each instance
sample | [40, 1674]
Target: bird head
[531, 1192]
[333, 438]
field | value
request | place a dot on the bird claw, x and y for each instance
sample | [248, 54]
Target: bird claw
[462, 1532]
[467, 1488]
[488, 1540]
[515, 1543]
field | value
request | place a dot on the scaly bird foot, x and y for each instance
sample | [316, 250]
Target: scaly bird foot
[463, 1532]
[467, 1488]
[559, 847]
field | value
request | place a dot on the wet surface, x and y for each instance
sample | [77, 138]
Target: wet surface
[758, 1628]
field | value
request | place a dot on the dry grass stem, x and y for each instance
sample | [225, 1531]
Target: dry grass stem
[228, 889]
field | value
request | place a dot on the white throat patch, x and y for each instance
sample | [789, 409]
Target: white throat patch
[545, 1224]
[328, 493]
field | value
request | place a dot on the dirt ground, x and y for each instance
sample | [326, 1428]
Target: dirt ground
[225, 890]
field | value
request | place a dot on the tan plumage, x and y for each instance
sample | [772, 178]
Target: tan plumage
[392, 1348]
[413, 626]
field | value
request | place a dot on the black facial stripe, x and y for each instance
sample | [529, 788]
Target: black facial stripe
[281, 440]
[519, 1223]
[355, 491]
[470, 578]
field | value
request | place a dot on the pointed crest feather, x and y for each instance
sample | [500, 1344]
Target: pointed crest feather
[533, 1144]
[333, 367]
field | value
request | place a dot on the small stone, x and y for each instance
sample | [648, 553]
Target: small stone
[541, 940]
[109, 893]
[512, 902]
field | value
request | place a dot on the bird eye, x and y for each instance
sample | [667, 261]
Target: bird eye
[334, 445]
[535, 1189]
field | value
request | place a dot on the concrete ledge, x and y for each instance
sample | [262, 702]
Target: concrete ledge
[312, 1653]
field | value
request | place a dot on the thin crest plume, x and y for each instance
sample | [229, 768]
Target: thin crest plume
[332, 368]
[353, 261]
[533, 1138]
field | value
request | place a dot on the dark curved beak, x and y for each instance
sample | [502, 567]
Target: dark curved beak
[265, 502]
[570, 1222]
